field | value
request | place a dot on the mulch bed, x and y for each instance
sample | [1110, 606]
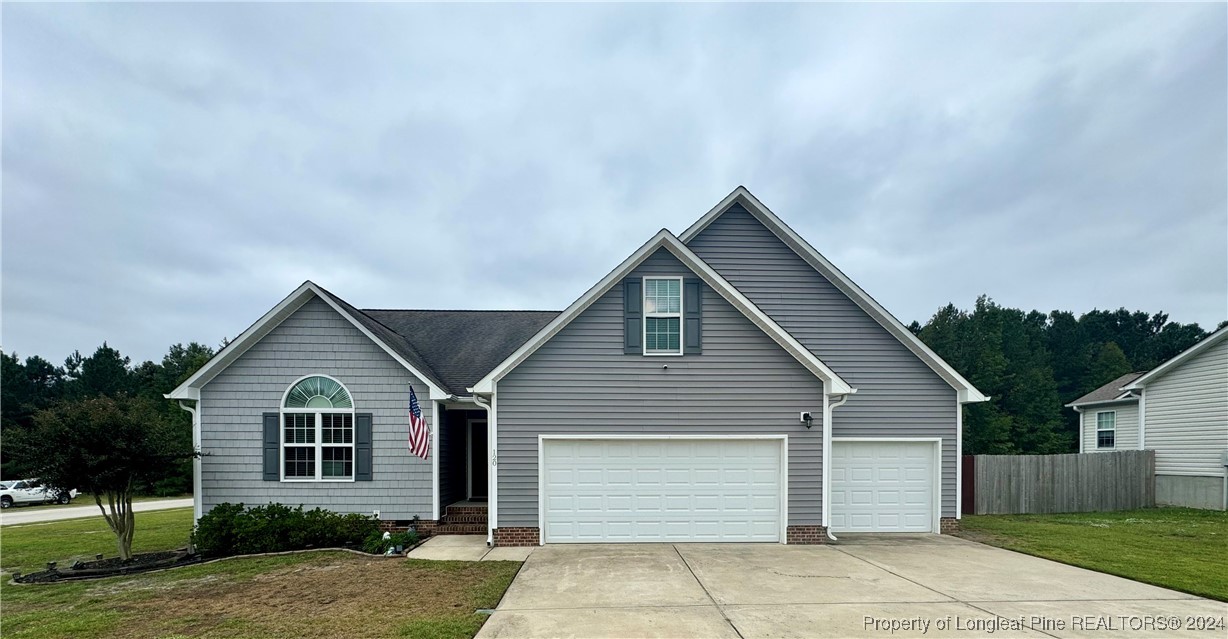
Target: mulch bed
[142, 562]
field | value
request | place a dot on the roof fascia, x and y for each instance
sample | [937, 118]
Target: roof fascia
[833, 384]
[966, 392]
[1166, 367]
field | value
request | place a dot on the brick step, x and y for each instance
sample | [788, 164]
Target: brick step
[466, 510]
[460, 529]
[463, 519]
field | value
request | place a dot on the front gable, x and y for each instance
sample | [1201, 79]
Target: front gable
[809, 297]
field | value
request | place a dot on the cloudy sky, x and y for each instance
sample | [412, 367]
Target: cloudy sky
[171, 172]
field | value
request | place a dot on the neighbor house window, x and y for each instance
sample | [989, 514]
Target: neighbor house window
[662, 315]
[317, 431]
[1106, 429]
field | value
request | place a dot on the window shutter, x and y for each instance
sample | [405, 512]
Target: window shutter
[633, 316]
[362, 447]
[272, 447]
[693, 313]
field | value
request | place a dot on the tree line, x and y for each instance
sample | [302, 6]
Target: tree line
[1031, 364]
[35, 386]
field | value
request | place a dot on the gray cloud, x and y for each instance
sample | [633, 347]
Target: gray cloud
[171, 171]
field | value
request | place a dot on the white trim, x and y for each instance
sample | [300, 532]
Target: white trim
[490, 472]
[1082, 428]
[492, 445]
[1117, 400]
[1166, 367]
[959, 462]
[1097, 415]
[1142, 424]
[318, 445]
[937, 442]
[189, 389]
[967, 393]
[679, 315]
[665, 239]
[541, 465]
[435, 423]
[196, 470]
[469, 454]
[825, 474]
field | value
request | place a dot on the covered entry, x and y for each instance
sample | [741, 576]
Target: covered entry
[662, 489]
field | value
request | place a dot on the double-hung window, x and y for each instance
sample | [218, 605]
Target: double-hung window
[662, 315]
[1106, 429]
[317, 431]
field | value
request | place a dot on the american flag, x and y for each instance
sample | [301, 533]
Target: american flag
[419, 434]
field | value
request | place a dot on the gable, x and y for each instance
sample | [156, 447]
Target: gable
[665, 240]
[809, 296]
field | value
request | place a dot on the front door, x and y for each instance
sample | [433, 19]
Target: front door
[479, 465]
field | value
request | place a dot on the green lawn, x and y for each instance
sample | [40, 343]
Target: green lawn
[28, 547]
[1180, 548]
[86, 500]
[309, 595]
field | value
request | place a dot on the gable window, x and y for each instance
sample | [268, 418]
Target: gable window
[317, 431]
[1106, 429]
[662, 315]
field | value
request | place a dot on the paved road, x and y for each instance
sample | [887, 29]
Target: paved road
[19, 515]
[885, 588]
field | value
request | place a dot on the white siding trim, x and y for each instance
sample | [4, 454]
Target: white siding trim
[541, 464]
[435, 410]
[967, 393]
[665, 239]
[190, 388]
[959, 460]
[937, 442]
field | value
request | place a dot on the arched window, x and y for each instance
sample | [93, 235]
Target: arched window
[317, 431]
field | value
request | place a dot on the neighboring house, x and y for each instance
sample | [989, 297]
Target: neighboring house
[1180, 410]
[727, 384]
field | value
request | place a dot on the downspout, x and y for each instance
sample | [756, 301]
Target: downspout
[196, 496]
[490, 478]
[1081, 434]
[828, 407]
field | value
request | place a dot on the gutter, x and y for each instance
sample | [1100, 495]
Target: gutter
[828, 407]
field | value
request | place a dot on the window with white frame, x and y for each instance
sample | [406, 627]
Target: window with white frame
[1106, 429]
[662, 315]
[317, 431]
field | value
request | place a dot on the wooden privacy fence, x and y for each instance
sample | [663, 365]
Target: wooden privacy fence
[1027, 484]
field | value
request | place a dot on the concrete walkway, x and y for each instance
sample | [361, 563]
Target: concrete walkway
[931, 586]
[20, 515]
[466, 548]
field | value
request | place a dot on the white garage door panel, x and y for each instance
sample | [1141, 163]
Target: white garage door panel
[661, 490]
[882, 487]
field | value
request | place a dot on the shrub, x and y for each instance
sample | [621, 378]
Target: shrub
[231, 529]
[377, 545]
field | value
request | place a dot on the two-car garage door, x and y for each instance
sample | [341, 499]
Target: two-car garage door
[661, 490]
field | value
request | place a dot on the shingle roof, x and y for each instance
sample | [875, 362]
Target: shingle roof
[1109, 391]
[460, 347]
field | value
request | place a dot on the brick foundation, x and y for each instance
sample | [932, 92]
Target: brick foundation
[805, 535]
[948, 525]
[426, 527]
[517, 536]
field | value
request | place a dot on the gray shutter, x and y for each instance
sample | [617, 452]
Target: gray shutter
[633, 316]
[362, 447]
[272, 447]
[693, 315]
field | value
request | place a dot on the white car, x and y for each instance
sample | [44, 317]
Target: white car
[32, 491]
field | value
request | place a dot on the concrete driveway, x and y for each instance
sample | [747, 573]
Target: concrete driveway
[867, 587]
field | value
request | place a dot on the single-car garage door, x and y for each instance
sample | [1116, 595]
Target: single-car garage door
[652, 490]
[884, 486]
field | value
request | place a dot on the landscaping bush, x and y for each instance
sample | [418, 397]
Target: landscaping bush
[377, 545]
[230, 529]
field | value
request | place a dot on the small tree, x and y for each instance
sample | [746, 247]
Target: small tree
[107, 447]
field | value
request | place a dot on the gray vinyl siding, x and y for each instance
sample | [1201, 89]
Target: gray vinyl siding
[1187, 415]
[580, 381]
[898, 395]
[1127, 426]
[315, 339]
